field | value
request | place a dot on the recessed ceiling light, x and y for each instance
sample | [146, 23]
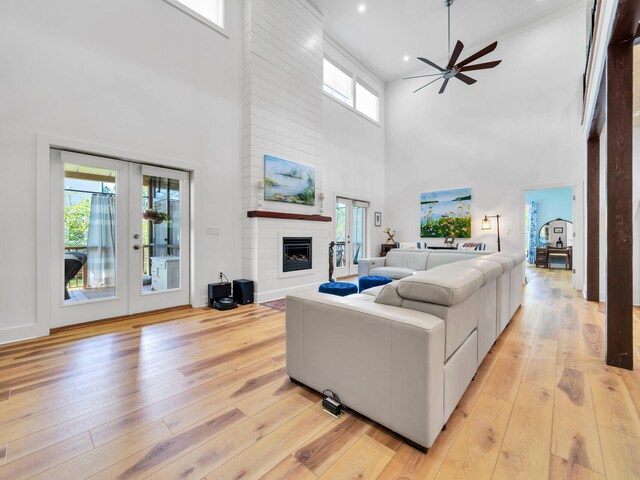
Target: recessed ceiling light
[405, 58]
[362, 7]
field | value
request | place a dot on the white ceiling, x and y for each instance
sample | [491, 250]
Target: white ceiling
[390, 29]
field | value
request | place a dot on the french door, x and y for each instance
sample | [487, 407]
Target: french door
[120, 238]
[350, 236]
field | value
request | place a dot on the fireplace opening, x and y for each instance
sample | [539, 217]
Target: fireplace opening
[296, 254]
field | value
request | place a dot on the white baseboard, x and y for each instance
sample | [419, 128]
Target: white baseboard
[261, 297]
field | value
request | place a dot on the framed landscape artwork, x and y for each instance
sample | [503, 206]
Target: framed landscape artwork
[290, 182]
[446, 213]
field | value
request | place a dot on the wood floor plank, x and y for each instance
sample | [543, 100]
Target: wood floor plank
[365, 459]
[98, 459]
[540, 369]
[612, 402]
[504, 380]
[575, 433]
[218, 450]
[526, 448]
[291, 469]
[411, 464]
[149, 460]
[621, 456]
[561, 469]
[139, 415]
[261, 457]
[179, 419]
[117, 419]
[323, 450]
[267, 396]
[475, 450]
[41, 460]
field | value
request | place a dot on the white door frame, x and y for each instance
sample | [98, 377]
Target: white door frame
[44, 144]
[578, 224]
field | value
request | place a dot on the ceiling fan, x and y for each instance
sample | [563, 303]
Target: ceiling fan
[453, 69]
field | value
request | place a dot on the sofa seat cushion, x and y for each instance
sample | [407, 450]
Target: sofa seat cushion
[391, 272]
[447, 285]
[375, 291]
[490, 270]
[362, 297]
[415, 260]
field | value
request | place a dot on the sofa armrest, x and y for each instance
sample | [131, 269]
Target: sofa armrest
[367, 264]
[384, 362]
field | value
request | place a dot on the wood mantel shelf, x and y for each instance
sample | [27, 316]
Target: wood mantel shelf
[288, 216]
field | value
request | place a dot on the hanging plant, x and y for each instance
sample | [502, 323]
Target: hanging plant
[155, 216]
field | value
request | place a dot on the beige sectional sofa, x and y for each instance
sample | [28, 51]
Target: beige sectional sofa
[403, 354]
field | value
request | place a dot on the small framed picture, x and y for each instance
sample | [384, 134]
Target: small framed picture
[558, 229]
[377, 219]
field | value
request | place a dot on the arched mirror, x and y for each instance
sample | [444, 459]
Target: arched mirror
[556, 233]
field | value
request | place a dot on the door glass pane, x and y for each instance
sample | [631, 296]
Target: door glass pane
[160, 234]
[358, 233]
[89, 233]
[341, 235]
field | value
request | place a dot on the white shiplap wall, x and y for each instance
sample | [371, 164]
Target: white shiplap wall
[282, 116]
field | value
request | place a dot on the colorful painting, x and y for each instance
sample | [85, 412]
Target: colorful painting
[446, 213]
[291, 182]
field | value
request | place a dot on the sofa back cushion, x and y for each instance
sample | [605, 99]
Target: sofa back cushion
[447, 285]
[490, 270]
[389, 295]
[415, 260]
[440, 257]
[507, 262]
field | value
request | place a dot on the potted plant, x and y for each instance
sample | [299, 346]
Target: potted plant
[154, 216]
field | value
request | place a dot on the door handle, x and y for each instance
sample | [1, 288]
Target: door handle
[136, 247]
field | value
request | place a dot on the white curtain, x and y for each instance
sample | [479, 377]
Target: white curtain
[101, 243]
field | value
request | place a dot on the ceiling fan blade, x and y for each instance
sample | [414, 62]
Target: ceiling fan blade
[444, 85]
[457, 50]
[465, 79]
[415, 91]
[421, 76]
[429, 62]
[477, 55]
[480, 66]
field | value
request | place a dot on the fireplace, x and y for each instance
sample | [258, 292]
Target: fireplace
[296, 254]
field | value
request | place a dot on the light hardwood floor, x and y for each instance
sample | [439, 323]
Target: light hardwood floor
[203, 394]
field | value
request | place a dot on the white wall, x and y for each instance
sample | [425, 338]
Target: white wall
[139, 76]
[518, 127]
[354, 149]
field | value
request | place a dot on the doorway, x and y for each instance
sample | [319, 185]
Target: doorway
[120, 238]
[549, 236]
[350, 235]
